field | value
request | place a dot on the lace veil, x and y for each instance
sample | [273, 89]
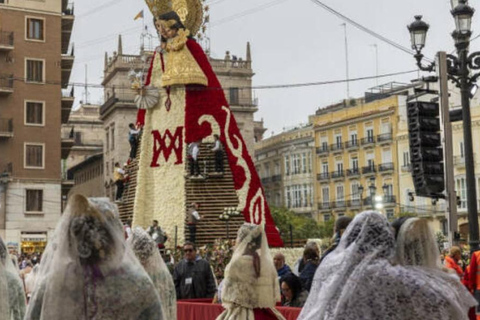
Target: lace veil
[242, 284]
[417, 248]
[358, 280]
[12, 295]
[87, 272]
[147, 253]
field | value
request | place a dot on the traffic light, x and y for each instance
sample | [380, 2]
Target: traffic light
[426, 153]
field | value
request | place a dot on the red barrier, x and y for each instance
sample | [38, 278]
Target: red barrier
[203, 309]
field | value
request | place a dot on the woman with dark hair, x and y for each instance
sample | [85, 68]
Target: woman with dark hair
[292, 293]
[310, 261]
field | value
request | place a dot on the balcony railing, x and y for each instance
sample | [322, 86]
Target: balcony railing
[389, 199]
[386, 200]
[355, 203]
[407, 168]
[322, 176]
[7, 171]
[351, 144]
[385, 167]
[245, 102]
[324, 206]
[384, 137]
[339, 204]
[353, 172]
[266, 180]
[322, 149]
[6, 127]
[6, 39]
[368, 140]
[337, 174]
[336, 146]
[369, 169]
[6, 81]
[277, 178]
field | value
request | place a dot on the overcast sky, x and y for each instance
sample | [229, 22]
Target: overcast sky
[293, 41]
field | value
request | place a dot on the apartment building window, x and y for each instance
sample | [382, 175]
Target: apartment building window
[369, 134]
[277, 168]
[112, 134]
[325, 194]
[355, 191]
[305, 195]
[338, 140]
[355, 164]
[34, 113]
[325, 167]
[107, 141]
[34, 70]
[406, 158]
[287, 165]
[289, 199]
[340, 193]
[34, 156]
[462, 192]
[35, 29]
[304, 162]
[353, 138]
[33, 200]
[296, 164]
[309, 162]
[326, 217]
[461, 148]
[339, 166]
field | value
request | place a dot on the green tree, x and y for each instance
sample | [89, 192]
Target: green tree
[302, 227]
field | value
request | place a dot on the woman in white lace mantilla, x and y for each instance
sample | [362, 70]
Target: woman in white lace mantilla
[12, 295]
[145, 248]
[250, 289]
[358, 280]
[88, 272]
[417, 249]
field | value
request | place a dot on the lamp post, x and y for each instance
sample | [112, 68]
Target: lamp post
[459, 72]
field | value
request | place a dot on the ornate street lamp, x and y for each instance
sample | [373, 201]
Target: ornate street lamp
[463, 14]
[460, 71]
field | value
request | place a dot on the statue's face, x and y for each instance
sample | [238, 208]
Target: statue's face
[166, 32]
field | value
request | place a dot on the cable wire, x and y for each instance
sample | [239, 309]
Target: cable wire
[365, 29]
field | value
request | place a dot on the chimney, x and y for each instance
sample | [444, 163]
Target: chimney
[120, 46]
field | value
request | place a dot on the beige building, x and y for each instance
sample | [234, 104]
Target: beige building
[285, 165]
[35, 65]
[356, 162]
[88, 177]
[87, 130]
[119, 110]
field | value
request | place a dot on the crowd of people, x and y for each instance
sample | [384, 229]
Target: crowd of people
[96, 268]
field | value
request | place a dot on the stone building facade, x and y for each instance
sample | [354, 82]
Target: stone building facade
[285, 163]
[35, 65]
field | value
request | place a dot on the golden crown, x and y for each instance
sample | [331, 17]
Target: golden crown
[189, 11]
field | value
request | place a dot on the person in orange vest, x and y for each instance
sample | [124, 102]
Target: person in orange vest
[473, 281]
[452, 259]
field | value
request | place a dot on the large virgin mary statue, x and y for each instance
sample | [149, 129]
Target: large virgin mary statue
[191, 108]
